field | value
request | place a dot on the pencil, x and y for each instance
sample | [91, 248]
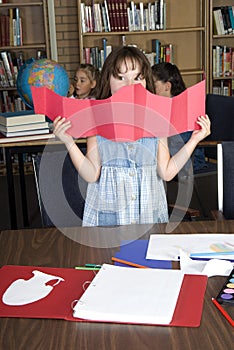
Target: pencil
[223, 312]
[128, 263]
[197, 255]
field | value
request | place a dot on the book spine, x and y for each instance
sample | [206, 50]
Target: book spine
[231, 15]
[87, 55]
[161, 14]
[117, 15]
[3, 29]
[121, 15]
[7, 68]
[3, 76]
[107, 15]
[18, 27]
[225, 12]
[82, 18]
[104, 19]
[156, 49]
[125, 15]
[109, 5]
[216, 23]
[141, 13]
[114, 15]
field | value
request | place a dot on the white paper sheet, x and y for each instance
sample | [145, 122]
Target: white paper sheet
[213, 267]
[121, 294]
[167, 247]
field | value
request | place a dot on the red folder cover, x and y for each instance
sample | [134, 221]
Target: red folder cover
[58, 303]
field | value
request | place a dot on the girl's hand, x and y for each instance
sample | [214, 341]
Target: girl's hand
[60, 127]
[200, 134]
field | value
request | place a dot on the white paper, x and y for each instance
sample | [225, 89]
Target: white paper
[213, 267]
[121, 294]
[167, 247]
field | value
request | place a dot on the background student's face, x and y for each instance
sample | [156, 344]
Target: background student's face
[82, 84]
[162, 89]
[128, 75]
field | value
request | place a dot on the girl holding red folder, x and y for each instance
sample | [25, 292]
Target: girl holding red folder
[125, 179]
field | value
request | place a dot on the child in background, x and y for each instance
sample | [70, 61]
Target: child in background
[169, 82]
[125, 179]
[85, 82]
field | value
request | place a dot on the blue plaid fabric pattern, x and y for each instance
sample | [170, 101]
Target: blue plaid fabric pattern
[129, 190]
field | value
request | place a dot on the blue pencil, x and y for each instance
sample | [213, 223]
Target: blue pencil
[197, 255]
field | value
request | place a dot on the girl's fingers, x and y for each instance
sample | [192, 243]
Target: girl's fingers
[62, 128]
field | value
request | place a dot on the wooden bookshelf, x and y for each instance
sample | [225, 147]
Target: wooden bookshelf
[186, 28]
[34, 34]
[220, 82]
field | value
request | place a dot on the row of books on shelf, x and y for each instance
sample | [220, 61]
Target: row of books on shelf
[10, 63]
[223, 61]
[11, 102]
[160, 53]
[121, 15]
[23, 124]
[11, 28]
[223, 20]
[223, 87]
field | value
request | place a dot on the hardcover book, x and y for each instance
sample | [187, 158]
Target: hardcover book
[21, 118]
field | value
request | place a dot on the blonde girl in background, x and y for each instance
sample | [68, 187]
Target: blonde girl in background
[85, 82]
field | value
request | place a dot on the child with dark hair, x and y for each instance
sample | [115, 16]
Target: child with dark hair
[169, 82]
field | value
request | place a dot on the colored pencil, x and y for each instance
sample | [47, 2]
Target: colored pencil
[197, 255]
[223, 312]
[125, 262]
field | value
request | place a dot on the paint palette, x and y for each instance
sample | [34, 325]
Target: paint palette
[226, 295]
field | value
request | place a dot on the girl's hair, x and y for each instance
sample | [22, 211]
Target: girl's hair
[113, 63]
[92, 73]
[166, 71]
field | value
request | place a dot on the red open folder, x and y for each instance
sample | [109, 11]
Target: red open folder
[65, 285]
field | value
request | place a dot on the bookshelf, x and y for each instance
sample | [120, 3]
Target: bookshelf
[185, 28]
[221, 52]
[28, 40]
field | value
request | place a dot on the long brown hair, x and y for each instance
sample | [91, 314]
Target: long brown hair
[112, 67]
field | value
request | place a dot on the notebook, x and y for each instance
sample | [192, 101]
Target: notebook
[45, 292]
[138, 296]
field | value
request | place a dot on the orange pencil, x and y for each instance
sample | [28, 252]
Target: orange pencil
[128, 263]
[223, 312]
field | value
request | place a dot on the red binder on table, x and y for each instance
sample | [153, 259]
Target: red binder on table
[44, 292]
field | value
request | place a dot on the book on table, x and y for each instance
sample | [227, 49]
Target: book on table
[24, 127]
[21, 118]
[25, 138]
[26, 132]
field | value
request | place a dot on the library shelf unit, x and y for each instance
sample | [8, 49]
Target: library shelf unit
[220, 82]
[186, 28]
[34, 34]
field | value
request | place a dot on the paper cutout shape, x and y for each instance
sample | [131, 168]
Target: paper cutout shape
[131, 113]
[22, 292]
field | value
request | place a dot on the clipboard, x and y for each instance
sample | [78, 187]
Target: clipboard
[59, 303]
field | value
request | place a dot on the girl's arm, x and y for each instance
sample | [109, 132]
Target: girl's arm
[88, 166]
[168, 167]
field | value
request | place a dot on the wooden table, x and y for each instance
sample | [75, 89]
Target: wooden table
[20, 148]
[49, 247]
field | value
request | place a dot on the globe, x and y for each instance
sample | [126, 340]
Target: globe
[42, 72]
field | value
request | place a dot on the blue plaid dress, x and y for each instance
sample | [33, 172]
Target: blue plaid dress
[129, 190]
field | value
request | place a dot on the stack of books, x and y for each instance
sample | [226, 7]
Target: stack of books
[24, 123]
